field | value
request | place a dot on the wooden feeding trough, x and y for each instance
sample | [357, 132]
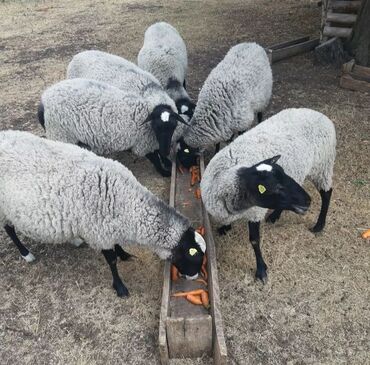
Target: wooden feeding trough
[291, 48]
[187, 330]
[355, 77]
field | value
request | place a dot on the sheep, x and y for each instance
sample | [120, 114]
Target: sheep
[244, 180]
[164, 55]
[54, 192]
[238, 87]
[105, 119]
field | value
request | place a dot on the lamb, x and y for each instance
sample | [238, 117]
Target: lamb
[105, 119]
[55, 192]
[238, 87]
[164, 55]
[244, 180]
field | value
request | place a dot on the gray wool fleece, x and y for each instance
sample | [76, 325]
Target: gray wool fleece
[99, 115]
[164, 55]
[55, 192]
[304, 138]
[119, 72]
[238, 87]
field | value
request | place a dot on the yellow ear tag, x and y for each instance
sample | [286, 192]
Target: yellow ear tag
[261, 189]
[193, 251]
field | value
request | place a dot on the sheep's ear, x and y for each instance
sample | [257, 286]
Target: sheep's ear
[271, 161]
[148, 119]
[180, 119]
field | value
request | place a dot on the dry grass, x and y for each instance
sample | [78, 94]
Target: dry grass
[315, 307]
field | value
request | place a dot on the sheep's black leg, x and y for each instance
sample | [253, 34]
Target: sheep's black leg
[223, 229]
[254, 238]
[122, 254]
[154, 158]
[26, 254]
[184, 84]
[167, 163]
[83, 145]
[217, 147]
[259, 117]
[111, 257]
[274, 216]
[325, 201]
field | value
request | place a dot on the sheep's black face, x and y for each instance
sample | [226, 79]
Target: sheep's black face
[185, 106]
[266, 185]
[186, 155]
[187, 256]
[164, 122]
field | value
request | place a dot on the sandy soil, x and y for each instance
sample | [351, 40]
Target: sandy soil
[315, 307]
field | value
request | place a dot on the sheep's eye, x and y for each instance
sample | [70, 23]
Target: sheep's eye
[261, 189]
[186, 150]
[193, 251]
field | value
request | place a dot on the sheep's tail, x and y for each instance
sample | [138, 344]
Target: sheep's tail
[40, 115]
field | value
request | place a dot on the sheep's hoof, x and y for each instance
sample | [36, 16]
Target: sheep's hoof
[223, 229]
[127, 256]
[262, 275]
[317, 229]
[121, 290]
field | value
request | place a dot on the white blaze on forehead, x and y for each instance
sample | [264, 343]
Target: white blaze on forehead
[264, 167]
[200, 241]
[184, 109]
[191, 277]
[165, 116]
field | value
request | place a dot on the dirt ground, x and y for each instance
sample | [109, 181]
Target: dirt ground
[315, 307]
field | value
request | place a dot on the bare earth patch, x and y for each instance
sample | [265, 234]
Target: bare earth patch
[315, 307]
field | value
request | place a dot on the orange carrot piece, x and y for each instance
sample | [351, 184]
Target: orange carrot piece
[174, 273]
[205, 299]
[191, 292]
[366, 234]
[197, 193]
[194, 299]
[201, 230]
[204, 273]
[201, 281]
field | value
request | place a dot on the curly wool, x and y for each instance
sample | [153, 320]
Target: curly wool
[55, 192]
[304, 138]
[119, 72]
[238, 87]
[164, 55]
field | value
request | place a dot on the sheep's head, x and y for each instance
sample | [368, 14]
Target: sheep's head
[187, 256]
[185, 106]
[164, 122]
[187, 155]
[266, 185]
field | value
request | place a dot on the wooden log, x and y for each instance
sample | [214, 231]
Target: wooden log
[289, 43]
[337, 32]
[341, 18]
[348, 66]
[219, 344]
[330, 52]
[290, 51]
[361, 71]
[347, 81]
[345, 6]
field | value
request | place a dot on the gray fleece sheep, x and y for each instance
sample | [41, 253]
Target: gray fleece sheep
[237, 88]
[55, 192]
[164, 55]
[240, 183]
[106, 119]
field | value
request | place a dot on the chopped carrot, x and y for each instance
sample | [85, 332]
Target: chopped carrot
[174, 273]
[194, 299]
[204, 263]
[197, 193]
[191, 292]
[194, 171]
[366, 234]
[204, 273]
[201, 281]
[201, 230]
[205, 299]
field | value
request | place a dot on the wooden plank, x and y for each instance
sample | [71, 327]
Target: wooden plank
[290, 51]
[337, 32]
[361, 71]
[345, 6]
[219, 344]
[348, 82]
[342, 18]
[289, 43]
[162, 336]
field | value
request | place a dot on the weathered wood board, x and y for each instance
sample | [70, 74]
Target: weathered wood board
[188, 330]
[291, 48]
[355, 77]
